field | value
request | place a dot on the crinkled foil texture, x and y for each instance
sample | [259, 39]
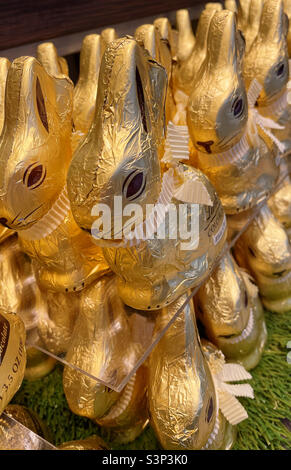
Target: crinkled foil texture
[156, 272]
[182, 399]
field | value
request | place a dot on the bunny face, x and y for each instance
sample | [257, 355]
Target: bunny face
[267, 60]
[119, 156]
[217, 108]
[35, 144]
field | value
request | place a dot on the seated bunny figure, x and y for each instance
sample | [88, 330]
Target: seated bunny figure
[34, 163]
[35, 152]
[229, 308]
[242, 170]
[267, 62]
[188, 408]
[264, 249]
[119, 161]
[102, 345]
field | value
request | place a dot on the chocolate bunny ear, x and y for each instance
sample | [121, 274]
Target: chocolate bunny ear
[222, 41]
[213, 6]
[147, 36]
[273, 22]
[86, 89]
[47, 55]
[4, 67]
[203, 29]
[230, 5]
[243, 13]
[107, 36]
[186, 38]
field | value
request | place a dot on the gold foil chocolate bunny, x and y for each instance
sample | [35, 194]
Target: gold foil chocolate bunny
[101, 345]
[119, 161]
[242, 172]
[34, 163]
[264, 249]
[33, 201]
[185, 393]
[267, 62]
[230, 309]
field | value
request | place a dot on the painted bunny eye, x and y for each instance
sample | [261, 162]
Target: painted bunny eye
[238, 107]
[34, 175]
[210, 409]
[280, 70]
[41, 105]
[141, 100]
[134, 185]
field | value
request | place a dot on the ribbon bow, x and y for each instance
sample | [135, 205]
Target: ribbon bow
[223, 373]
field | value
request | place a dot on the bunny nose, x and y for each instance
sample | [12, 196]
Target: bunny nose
[206, 145]
[3, 221]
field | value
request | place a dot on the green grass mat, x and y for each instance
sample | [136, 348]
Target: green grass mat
[268, 426]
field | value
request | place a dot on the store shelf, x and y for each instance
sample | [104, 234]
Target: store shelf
[141, 336]
[66, 22]
[15, 436]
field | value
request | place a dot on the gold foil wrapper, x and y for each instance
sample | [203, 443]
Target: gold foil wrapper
[159, 48]
[182, 399]
[102, 331]
[34, 162]
[242, 173]
[47, 55]
[16, 436]
[185, 72]
[29, 419]
[229, 307]
[186, 39]
[128, 139]
[12, 356]
[267, 62]
[90, 443]
[265, 250]
[249, 16]
[85, 91]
